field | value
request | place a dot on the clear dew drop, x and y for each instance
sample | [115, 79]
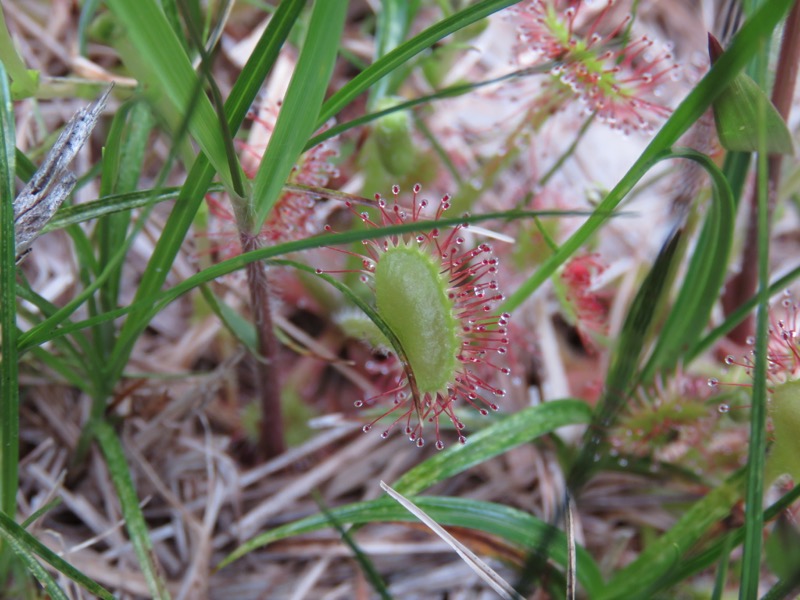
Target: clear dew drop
[366, 428]
[420, 443]
[439, 445]
[385, 434]
[724, 408]
[713, 382]
[729, 360]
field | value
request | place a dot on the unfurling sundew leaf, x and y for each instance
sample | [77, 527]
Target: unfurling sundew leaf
[738, 112]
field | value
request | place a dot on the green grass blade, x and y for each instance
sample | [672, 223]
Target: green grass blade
[739, 314]
[29, 560]
[497, 438]
[161, 55]
[296, 120]
[757, 28]
[39, 334]
[507, 523]
[704, 277]
[400, 55]
[131, 512]
[27, 545]
[622, 376]
[369, 570]
[9, 375]
[756, 452]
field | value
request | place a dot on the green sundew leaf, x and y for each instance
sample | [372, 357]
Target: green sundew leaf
[704, 277]
[296, 120]
[199, 179]
[168, 70]
[496, 439]
[509, 524]
[753, 32]
[131, 512]
[400, 55]
[739, 111]
[653, 568]
[25, 545]
[9, 366]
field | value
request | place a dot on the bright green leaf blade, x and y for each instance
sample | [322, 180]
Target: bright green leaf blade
[297, 118]
[507, 523]
[169, 70]
[704, 277]
[34, 567]
[28, 545]
[400, 55]
[131, 512]
[497, 438]
[738, 112]
[9, 375]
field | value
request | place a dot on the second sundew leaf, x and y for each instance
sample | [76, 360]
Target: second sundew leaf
[412, 299]
[739, 110]
[297, 118]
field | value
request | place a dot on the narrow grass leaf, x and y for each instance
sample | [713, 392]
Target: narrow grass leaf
[34, 567]
[704, 277]
[29, 546]
[9, 365]
[622, 375]
[400, 55]
[161, 53]
[157, 302]
[499, 437]
[484, 571]
[131, 512]
[297, 118]
[509, 524]
[369, 570]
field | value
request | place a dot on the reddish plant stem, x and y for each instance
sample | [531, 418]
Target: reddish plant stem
[271, 438]
[742, 286]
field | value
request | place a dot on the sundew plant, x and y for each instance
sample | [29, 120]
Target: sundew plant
[250, 250]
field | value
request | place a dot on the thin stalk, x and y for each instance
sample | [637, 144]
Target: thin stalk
[271, 438]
